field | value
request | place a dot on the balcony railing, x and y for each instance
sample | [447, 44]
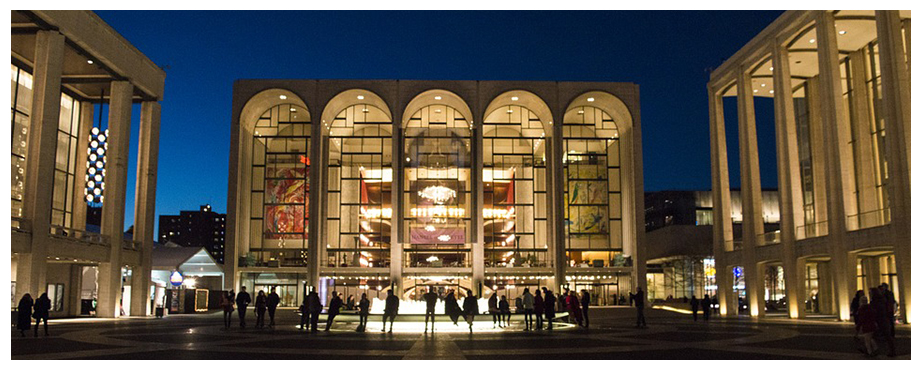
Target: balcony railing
[773, 237]
[80, 235]
[20, 224]
[811, 230]
[869, 219]
[130, 244]
[733, 245]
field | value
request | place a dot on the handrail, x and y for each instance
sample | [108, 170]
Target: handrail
[80, 235]
[769, 238]
[20, 224]
[733, 245]
[811, 230]
[865, 220]
[130, 244]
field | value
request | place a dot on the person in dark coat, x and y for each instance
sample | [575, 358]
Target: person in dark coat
[470, 308]
[316, 308]
[549, 304]
[364, 309]
[335, 305]
[493, 309]
[304, 313]
[24, 321]
[261, 306]
[504, 312]
[41, 312]
[694, 306]
[226, 302]
[451, 307]
[585, 302]
[242, 301]
[640, 308]
[431, 301]
[538, 307]
[390, 310]
[883, 307]
[272, 302]
[575, 307]
[854, 305]
[707, 304]
[350, 303]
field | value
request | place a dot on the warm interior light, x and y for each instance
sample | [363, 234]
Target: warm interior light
[437, 97]
[282, 97]
[360, 97]
[590, 99]
[812, 41]
[90, 61]
[514, 98]
[842, 32]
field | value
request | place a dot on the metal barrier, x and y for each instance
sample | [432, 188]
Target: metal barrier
[865, 220]
[773, 237]
[79, 235]
[811, 230]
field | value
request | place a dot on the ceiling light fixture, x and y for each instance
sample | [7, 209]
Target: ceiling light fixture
[514, 98]
[89, 61]
[590, 99]
[282, 97]
[812, 41]
[437, 97]
[360, 97]
[842, 32]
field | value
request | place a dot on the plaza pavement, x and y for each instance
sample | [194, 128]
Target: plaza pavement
[612, 336]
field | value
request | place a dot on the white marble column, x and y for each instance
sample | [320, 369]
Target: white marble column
[316, 198]
[478, 252]
[896, 90]
[721, 198]
[787, 160]
[557, 148]
[145, 204]
[113, 203]
[840, 180]
[396, 204]
[36, 200]
[751, 197]
[818, 161]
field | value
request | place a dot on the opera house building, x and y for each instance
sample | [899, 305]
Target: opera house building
[360, 186]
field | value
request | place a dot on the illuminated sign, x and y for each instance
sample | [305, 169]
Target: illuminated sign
[176, 278]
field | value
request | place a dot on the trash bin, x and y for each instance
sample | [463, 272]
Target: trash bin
[159, 312]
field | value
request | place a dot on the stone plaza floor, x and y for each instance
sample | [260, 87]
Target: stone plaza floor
[612, 336]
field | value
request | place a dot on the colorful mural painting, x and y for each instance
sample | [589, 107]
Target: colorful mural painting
[586, 199]
[286, 202]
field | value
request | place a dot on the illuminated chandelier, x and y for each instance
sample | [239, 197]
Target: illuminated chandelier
[438, 193]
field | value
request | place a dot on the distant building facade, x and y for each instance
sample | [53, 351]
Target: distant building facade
[203, 228]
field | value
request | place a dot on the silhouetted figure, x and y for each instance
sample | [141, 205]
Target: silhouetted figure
[261, 306]
[493, 309]
[364, 309]
[390, 310]
[272, 302]
[316, 307]
[585, 302]
[226, 302]
[575, 308]
[694, 306]
[431, 300]
[304, 313]
[470, 308]
[538, 308]
[24, 320]
[866, 325]
[451, 307]
[504, 309]
[335, 305]
[350, 303]
[854, 305]
[706, 303]
[242, 301]
[549, 305]
[714, 305]
[42, 309]
[884, 311]
[640, 309]
[527, 302]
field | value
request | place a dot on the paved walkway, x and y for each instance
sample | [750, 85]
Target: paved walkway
[669, 336]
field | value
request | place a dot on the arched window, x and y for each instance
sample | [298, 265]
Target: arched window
[280, 187]
[514, 189]
[437, 200]
[593, 202]
[360, 181]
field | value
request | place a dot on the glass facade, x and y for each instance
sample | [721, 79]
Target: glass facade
[437, 185]
[591, 170]
[20, 108]
[65, 163]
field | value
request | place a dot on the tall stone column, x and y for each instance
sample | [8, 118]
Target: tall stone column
[557, 147]
[113, 203]
[751, 197]
[790, 184]
[315, 224]
[721, 198]
[478, 252]
[818, 161]
[896, 90]
[839, 169]
[396, 220]
[79, 199]
[145, 203]
[36, 200]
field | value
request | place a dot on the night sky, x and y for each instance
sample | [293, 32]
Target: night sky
[669, 54]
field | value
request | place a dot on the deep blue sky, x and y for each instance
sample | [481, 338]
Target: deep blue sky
[667, 53]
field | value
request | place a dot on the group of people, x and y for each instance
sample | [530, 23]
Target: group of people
[706, 304]
[874, 317]
[264, 302]
[28, 309]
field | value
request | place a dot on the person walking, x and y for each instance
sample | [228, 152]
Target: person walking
[891, 308]
[694, 306]
[261, 306]
[575, 308]
[640, 309]
[706, 304]
[527, 302]
[451, 307]
[272, 302]
[226, 302]
[242, 301]
[316, 307]
[866, 326]
[364, 309]
[335, 305]
[549, 306]
[854, 305]
[304, 310]
[431, 300]
[538, 307]
[504, 312]
[883, 309]
[391, 309]
[42, 310]
[470, 308]
[24, 312]
[585, 302]
[493, 309]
